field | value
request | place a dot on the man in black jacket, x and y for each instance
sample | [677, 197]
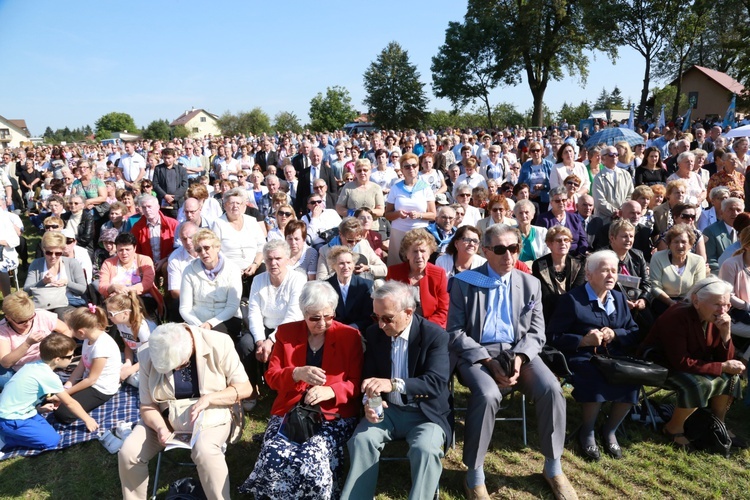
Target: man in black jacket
[170, 183]
[406, 363]
[308, 176]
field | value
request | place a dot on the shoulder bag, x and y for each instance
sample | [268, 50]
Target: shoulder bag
[629, 370]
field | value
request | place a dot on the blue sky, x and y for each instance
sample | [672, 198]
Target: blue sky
[66, 63]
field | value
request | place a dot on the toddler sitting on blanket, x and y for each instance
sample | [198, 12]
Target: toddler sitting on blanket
[20, 424]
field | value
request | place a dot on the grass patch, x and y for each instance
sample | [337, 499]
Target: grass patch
[650, 469]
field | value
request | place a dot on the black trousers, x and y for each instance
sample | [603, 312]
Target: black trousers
[89, 398]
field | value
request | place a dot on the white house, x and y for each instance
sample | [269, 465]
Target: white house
[13, 133]
[199, 123]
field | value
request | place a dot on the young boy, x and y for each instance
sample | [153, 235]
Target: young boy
[20, 424]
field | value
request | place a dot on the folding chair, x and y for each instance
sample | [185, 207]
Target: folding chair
[158, 470]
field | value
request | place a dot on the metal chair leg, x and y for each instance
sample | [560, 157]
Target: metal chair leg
[156, 476]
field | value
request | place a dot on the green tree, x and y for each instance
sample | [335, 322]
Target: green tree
[574, 114]
[228, 123]
[395, 96]
[542, 38]
[547, 115]
[440, 119]
[115, 122]
[331, 111]
[255, 121]
[180, 132]
[666, 96]
[284, 120]
[462, 71]
[158, 129]
[615, 99]
[507, 115]
[641, 26]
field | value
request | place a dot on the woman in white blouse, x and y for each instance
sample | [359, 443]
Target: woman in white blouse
[565, 166]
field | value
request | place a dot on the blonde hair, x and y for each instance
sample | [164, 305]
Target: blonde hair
[18, 305]
[131, 301]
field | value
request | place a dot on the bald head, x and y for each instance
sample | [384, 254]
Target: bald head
[631, 211]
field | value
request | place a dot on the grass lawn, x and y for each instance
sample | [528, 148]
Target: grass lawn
[651, 468]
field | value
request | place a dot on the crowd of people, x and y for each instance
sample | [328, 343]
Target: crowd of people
[357, 275]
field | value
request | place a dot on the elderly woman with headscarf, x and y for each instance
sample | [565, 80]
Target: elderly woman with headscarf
[695, 339]
[590, 317]
[317, 361]
[186, 373]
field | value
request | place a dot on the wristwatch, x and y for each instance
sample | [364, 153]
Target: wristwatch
[397, 385]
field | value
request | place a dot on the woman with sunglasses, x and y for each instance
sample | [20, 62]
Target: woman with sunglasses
[284, 215]
[410, 205]
[90, 188]
[211, 287]
[462, 252]
[317, 361]
[81, 222]
[21, 331]
[52, 280]
[536, 173]
[498, 210]
[572, 183]
[685, 213]
[363, 192]
[567, 166]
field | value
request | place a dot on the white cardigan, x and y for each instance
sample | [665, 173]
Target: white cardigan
[215, 300]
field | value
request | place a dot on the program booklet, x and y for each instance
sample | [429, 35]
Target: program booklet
[185, 440]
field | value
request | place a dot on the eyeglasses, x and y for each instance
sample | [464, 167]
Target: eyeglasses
[470, 241]
[314, 202]
[50, 253]
[284, 214]
[687, 216]
[318, 317]
[353, 241]
[462, 195]
[386, 320]
[560, 200]
[203, 248]
[24, 321]
[535, 150]
[410, 165]
[322, 186]
[498, 209]
[112, 314]
[561, 240]
[571, 183]
[501, 249]
[51, 226]
[612, 155]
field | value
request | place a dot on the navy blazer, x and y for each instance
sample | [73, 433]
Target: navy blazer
[429, 369]
[576, 315]
[357, 310]
[580, 243]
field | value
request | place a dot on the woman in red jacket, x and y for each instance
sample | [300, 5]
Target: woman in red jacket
[428, 280]
[317, 360]
[695, 339]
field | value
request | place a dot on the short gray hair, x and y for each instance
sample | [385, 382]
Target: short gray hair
[718, 192]
[169, 346]
[686, 155]
[316, 295]
[497, 230]
[236, 192]
[712, 286]
[731, 201]
[595, 259]
[146, 198]
[524, 204]
[557, 191]
[276, 245]
[398, 292]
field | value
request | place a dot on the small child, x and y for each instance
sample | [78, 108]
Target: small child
[97, 377]
[126, 313]
[20, 424]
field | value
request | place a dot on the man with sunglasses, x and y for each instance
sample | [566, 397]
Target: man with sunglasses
[612, 186]
[405, 363]
[496, 331]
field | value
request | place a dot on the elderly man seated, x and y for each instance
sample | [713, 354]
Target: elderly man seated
[443, 228]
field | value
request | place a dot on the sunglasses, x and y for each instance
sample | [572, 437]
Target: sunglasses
[24, 321]
[463, 195]
[317, 318]
[687, 216]
[470, 241]
[386, 320]
[314, 202]
[67, 357]
[320, 187]
[203, 248]
[563, 200]
[571, 183]
[535, 150]
[112, 314]
[49, 253]
[70, 241]
[612, 155]
[51, 226]
[284, 214]
[498, 209]
[409, 165]
[501, 249]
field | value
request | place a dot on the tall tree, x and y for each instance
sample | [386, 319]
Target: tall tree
[574, 114]
[541, 38]
[255, 121]
[284, 120]
[395, 96]
[462, 71]
[115, 122]
[641, 26]
[157, 129]
[331, 111]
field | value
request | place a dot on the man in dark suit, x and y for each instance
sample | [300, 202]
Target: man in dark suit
[170, 183]
[700, 141]
[301, 160]
[406, 362]
[630, 211]
[719, 235]
[265, 156]
[496, 331]
[315, 171]
[354, 307]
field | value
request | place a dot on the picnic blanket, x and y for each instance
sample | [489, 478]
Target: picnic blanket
[124, 406]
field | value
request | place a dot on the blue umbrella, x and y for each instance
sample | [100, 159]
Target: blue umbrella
[613, 135]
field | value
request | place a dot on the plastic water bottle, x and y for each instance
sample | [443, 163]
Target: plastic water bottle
[376, 403]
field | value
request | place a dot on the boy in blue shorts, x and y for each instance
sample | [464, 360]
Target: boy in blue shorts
[20, 424]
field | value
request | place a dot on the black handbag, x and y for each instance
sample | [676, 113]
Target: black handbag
[629, 370]
[555, 361]
[707, 433]
[302, 422]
